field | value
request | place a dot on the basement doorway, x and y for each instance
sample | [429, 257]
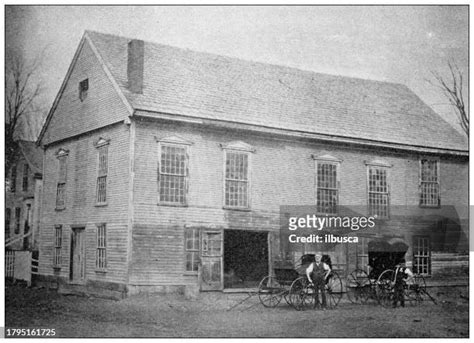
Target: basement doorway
[245, 258]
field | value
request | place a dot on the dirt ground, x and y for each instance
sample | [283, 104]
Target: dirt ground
[212, 315]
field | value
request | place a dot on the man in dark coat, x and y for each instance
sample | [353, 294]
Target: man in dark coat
[402, 274]
[317, 273]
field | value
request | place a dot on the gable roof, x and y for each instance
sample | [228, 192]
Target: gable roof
[33, 155]
[201, 85]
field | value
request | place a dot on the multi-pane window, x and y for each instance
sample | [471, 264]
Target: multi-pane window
[173, 171]
[327, 187]
[58, 242]
[101, 254]
[17, 220]
[378, 189]
[13, 180]
[26, 171]
[83, 88]
[61, 185]
[237, 179]
[101, 189]
[8, 216]
[421, 255]
[363, 254]
[192, 250]
[429, 183]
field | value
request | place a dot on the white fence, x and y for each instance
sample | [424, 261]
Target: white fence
[20, 265]
[9, 263]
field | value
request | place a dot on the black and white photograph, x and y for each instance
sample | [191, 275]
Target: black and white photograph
[236, 171]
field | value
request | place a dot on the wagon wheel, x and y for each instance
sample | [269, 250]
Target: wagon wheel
[334, 289]
[358, 287]
[384, 287]
[414, 290]
[301, 294]
[270, 291]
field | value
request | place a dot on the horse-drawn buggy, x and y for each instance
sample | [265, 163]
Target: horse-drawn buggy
[378, 284]
[289, 282]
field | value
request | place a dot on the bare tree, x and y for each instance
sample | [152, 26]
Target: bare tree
[21, 93]
[453, 89]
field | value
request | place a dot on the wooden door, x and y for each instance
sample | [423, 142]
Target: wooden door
[77, 265]
[211, 261]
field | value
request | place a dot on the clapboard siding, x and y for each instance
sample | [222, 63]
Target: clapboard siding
[158, 255]
[102, 107]
[283, 171]
[81, 206]
[116, 252]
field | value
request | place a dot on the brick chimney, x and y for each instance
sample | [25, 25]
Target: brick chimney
[136, 51]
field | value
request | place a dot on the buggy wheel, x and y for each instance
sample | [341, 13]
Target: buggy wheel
[334, 289]
[301, 294]
[358, 287]
[414, 290]
[270, 291]
[384, 289]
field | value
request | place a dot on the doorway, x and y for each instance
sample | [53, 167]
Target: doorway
[77, 264]
[245, 258]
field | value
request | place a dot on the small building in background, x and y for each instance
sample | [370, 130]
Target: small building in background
[23, 189]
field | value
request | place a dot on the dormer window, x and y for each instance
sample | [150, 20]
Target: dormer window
[83, 88]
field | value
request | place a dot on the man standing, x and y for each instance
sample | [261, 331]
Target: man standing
[402, 274]
[317, 273]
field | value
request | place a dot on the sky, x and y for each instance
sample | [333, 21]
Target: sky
[402, 44]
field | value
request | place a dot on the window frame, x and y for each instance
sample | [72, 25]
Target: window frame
[83, 89]
[102, 145]
[437, 182]
[101, 246]
[26, 172]
[180, 143]
[13, 176]
[195, 251]
[237, 147]
[17, 220]
[330, 160]
[8, 218]
[416, 254]
[385, 166]
[62, 157]
[57, 247]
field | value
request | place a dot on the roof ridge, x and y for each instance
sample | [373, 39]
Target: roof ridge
[247, 61]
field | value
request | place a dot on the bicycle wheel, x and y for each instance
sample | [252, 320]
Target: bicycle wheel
[270, 291]
[358, 287]
[334, 289]
[384, 287]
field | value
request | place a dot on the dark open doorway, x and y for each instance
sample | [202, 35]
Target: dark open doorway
[245, 258]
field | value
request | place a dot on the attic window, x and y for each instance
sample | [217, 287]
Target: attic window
[83, 88]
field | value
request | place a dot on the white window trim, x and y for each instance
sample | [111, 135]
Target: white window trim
[100, 143]
[55, 247]
[420, 182]
[179, 142]
[381, 164]
[326, 159]
[97, 269]
[243, 148]
[61, 153]
[186, 251]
